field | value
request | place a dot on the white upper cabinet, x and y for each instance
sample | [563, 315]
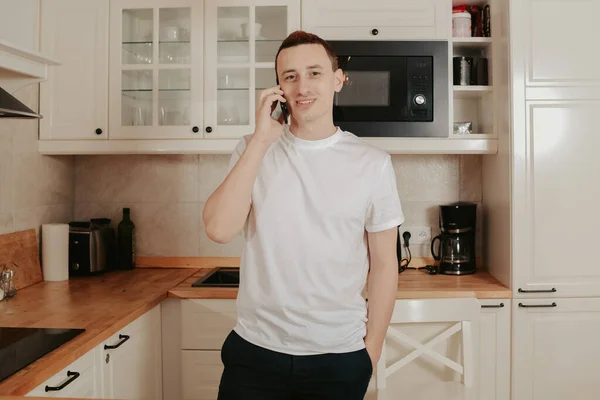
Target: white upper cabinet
[561, 42]
[242, 40]
[377, 19]
[556, 168]
[156, 69]
[73, 101]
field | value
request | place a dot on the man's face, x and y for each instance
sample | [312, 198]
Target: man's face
[308, 82]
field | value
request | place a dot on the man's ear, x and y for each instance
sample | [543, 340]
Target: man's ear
[340, 78]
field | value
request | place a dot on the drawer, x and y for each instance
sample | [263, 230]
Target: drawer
[83, 386]
[206, 323]
[200, 374]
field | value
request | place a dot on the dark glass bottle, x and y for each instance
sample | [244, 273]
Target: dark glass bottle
[126, 237]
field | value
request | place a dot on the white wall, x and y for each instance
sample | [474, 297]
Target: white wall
[19, 22]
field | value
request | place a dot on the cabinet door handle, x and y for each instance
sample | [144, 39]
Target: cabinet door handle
[98, 131]
[537, 291]
[123, 338]
[73, 376]
[537, 305]
[492, 305]
[374, 32]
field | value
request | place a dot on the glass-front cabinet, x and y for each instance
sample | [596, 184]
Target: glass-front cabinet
[242, 39]
[156, 69]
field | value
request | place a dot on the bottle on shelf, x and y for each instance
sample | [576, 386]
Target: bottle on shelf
[126, 241]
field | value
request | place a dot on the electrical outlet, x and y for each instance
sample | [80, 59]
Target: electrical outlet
[418, 234]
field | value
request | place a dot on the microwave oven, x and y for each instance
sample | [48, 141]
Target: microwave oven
[393, 88]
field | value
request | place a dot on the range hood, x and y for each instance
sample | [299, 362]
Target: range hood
[19, 67]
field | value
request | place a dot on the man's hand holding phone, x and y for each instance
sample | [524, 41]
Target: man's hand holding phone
[269, 129]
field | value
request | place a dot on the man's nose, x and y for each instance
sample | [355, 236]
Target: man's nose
[303, 86]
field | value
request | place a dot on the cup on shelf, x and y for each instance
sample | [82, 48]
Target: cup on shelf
[170, 34]
[246, 29]
[138, 116]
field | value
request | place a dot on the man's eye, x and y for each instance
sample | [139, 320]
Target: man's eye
[315, 73]
[287, 78]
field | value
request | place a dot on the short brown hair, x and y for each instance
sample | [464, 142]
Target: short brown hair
[300, 37]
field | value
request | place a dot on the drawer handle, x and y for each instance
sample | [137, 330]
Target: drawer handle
[493, 305]
[73, 376]
[537, 291]
[123, 338]
[537, 305]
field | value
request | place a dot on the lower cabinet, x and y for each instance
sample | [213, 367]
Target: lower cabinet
[494, 350]
[81, 379]
[128, 365]
[205, 325]
[556, 348]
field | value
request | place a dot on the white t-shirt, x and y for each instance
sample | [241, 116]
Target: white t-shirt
[305, 262]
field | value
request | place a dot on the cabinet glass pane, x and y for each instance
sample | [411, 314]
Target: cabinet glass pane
[265, 78]
[174, 35]
[233, 107]
[174, 97]
[136, 98]
[137, 36]
[232, 35]
[270, 31]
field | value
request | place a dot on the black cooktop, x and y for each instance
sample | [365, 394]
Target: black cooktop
[20, 347]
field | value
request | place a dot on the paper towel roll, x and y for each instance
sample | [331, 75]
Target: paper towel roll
[55, 252]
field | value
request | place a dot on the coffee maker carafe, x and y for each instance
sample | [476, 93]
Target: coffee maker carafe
[456, 249]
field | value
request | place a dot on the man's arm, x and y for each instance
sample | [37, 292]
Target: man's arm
[226, 210]
[382, 288]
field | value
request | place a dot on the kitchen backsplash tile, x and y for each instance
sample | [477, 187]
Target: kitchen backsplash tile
[42, 180]
[470, 178]
[34, 189]
[140, 178]
[429, 178]
[35, 217]
[166, 226]
[6, 173]
[6, 223]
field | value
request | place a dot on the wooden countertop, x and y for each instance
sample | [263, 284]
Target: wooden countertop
[412, 284]
[102, 305]
[106, 303]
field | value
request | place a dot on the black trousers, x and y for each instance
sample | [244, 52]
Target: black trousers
[253, 372]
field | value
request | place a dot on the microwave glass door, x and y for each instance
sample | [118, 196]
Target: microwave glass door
[385, 88]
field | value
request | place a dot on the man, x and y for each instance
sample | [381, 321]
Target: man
[319, 210]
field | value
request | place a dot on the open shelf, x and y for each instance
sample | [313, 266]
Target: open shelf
[471, 42]
[471, 91]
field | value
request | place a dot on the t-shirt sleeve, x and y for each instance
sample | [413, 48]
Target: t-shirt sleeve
[384, 210]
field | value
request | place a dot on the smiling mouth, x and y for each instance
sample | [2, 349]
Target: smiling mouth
[303, 102]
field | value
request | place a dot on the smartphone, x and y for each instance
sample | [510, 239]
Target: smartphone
[284, 108]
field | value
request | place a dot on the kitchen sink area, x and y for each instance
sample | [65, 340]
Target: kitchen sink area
[221, 277]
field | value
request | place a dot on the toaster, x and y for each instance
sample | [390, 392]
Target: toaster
[92, 247]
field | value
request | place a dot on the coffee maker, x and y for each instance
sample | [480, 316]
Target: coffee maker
[456, 248]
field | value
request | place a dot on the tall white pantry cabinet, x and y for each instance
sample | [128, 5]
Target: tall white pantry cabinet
[553, 177]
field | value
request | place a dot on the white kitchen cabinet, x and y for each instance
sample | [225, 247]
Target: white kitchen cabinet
[556, 349]
[242, 39]
[74, 98]
[205, 324]
[82, 379]
[556, 169]
[156, 69]
[201, 372]
[494, 350]
[132, 364]
[378, 19]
